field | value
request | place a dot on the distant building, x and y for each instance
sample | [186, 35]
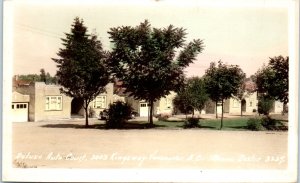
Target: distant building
[163, 106]
[100, 103]
[45, 102]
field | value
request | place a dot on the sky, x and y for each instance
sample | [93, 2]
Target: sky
[240, 34]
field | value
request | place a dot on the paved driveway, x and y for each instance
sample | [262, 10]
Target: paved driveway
[61, 144]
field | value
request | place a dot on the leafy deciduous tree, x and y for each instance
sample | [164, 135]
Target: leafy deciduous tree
[192, 97]
[272, 80]
[264, 105]
[143, 58]
[222, 82]
[81, 67]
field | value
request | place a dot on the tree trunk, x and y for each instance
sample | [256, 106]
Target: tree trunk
[241, 109]
[193, 113]
[222, 114]
[216, 110]
[86, 114]
[284, 109]
[151, 113]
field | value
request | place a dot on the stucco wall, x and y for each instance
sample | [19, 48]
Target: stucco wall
[251, 103]
[278, 107]
[109, 98]
[18, 97]
[135, 104]
[41, 91]
[165, 104]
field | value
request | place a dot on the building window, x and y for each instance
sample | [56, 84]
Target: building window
[250, 103]
[100, 102]
[19, 106]
[53, 103]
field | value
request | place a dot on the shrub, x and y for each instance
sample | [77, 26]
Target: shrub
[273, 124]
[162, 117]
[118, 113]
[269, 123]
[265, 105]
[192, 123]
[254, 124]
[91, 112]
[254, 110]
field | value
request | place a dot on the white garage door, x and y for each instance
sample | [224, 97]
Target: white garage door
[219, 108]
[19, 112]
[144, 109]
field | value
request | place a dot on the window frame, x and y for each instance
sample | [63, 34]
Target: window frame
[58, 103]
[102, 102]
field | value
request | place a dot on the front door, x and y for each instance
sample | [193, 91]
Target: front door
[144, 108]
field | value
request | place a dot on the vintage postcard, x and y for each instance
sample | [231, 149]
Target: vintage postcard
[150, 91]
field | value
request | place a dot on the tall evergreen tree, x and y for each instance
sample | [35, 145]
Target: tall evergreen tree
[144, 59]
[43, 75]
[82, 70]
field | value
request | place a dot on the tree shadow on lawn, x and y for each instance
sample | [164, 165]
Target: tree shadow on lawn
[236, 127]
[244, 115]
[200, 127]
[63, 125]
[127, 126]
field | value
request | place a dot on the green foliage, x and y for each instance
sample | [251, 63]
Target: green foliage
[30, 77]
[144, 59]
[181, 102]
[82, 70]
[162, 117]
[272, 80]
[265, 122]
[273, 124]
[223, 81]
[192, 123]
[254, 124]
[118, 113]
[192, 96]
[43, 77]
[265, 105]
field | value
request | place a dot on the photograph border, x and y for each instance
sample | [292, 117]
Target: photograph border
[153, 175]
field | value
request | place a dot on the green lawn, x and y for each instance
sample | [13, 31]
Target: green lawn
[228, 124]
[237, 123]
